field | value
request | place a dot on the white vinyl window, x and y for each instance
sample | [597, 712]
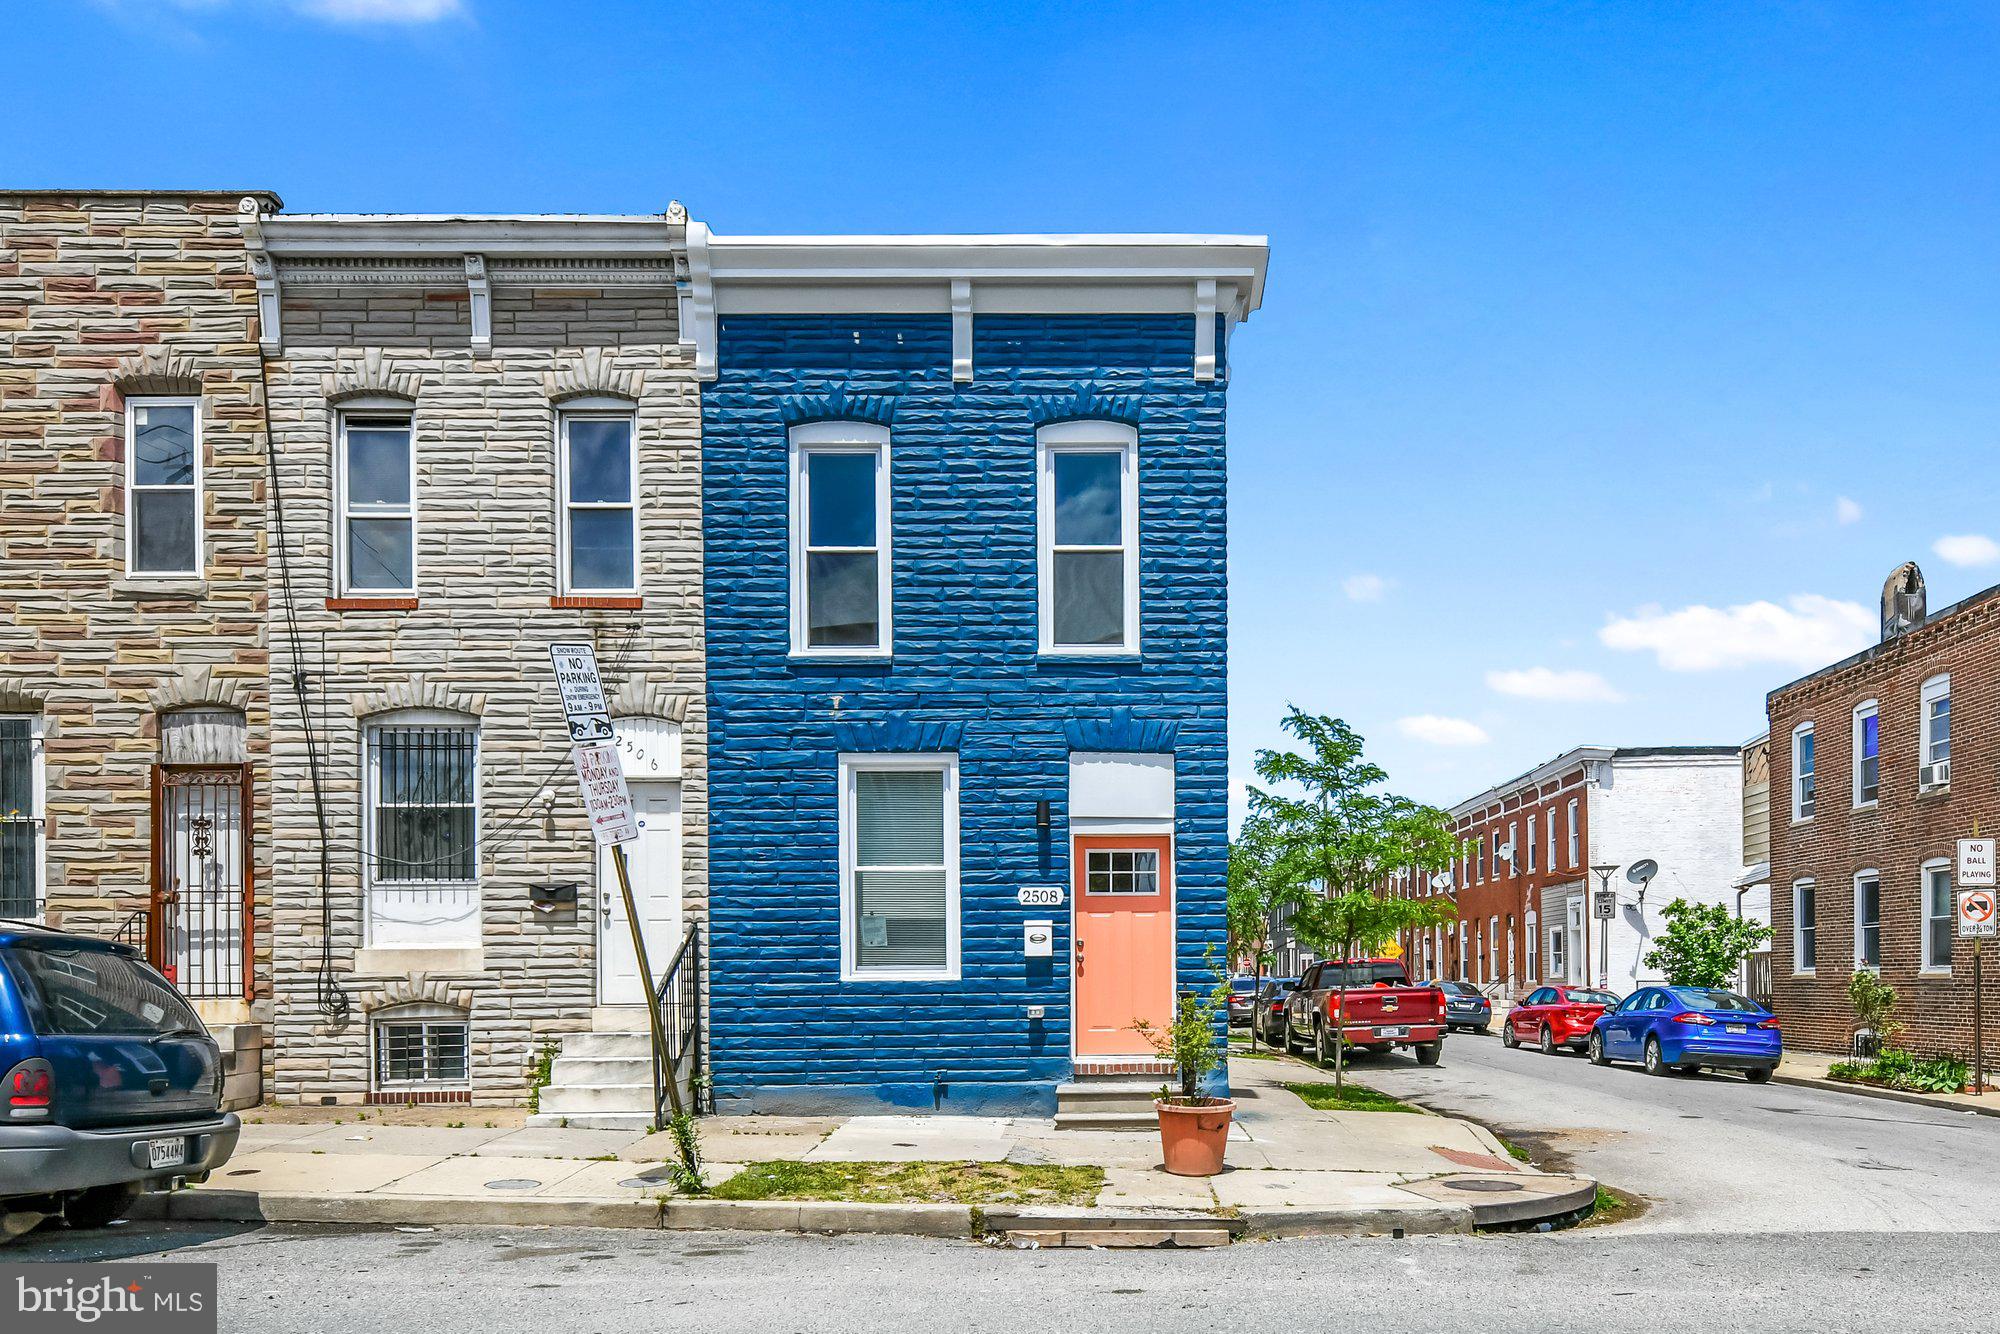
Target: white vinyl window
[1867, 754]
[376, 480]
[1088, 519]
[1934, 734]
[23, 794]
[841, 600]
[163, 486]
[422, 831]
[598, 482]
[1534, 938]
[1551, 817]
[421, 1046]
[1513, 849]
[1575, 836]
[1805, 927]
[1868, 920]
[899, 867]
[1802, 772]
[1557, 967]
[1532, 843]
[1940, 915]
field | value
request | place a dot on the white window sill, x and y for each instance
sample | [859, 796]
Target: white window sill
[1867, 805]
[178, 585]
[1805, 972]
[412, 959]
[1861, 967]
[1934, 789]
[898, 976]
[825, 655]
[1088, 654]
[1934, 973]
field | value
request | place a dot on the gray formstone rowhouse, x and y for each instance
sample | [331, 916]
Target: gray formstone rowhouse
[134, 774]
[489, 441]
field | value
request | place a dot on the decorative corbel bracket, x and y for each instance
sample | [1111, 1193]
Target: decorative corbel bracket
[482, 304]
[697, 302]
[961, 328]
[1204, 329]
[270, 329]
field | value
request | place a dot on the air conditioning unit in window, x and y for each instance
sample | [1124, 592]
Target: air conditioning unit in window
[1934, 775]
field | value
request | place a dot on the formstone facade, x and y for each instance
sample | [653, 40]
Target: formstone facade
[481, 381]
[110, 300]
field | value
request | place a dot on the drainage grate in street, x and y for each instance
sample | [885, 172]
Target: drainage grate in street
[1479, 1183]
[512, 1183]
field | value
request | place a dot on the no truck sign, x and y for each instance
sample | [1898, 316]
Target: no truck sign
[1976, 913]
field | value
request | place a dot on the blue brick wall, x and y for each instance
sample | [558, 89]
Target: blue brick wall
[787, 1033]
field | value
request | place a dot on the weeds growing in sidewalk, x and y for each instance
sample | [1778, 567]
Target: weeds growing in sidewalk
[915, 1183]
[1348, 1098]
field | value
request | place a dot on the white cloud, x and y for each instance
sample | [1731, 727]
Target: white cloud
[1364, 587]
[1846, 511]
[379, 11]
[1967, 549]
[1572, 687]
[1808, 631]
[1440, 731]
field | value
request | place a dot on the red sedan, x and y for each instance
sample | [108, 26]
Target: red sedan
[1556, 1017]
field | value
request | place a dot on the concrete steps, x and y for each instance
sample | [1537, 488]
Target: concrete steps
[600, 1081]
[1104, 1102]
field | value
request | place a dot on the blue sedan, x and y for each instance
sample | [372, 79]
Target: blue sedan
[1689, 1029]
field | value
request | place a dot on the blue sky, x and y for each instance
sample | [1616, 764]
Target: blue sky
[1613, 354]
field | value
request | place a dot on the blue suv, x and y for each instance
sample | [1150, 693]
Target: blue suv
[109, 1084]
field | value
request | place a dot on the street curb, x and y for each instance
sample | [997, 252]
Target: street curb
[1886, 1095]
[1412, 1221]
[921, 1220]
[243, 1206]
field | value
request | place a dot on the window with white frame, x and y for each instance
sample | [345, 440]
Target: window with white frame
[899, 867]
[1461, 952]
[1575, 836]
[1479, 844]
[1868, 920]
[598, 478]
[1940, 922]
[376, 480]
[422, 831]
[1534, 938]
[1934, 733]
[1557, 942]
[1550, 817]
[1805, 927]
[421, 1046]
[22, 795]
[841, 599]
[1088, 519]
[1513, 849]
[1532, 842]
[1802, 772]
[1867, 753]
[163, 485]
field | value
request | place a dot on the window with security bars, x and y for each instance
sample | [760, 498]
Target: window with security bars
[20, 818]
[424, 816]
[1121, 871]
[420, 1051]
[903, 844]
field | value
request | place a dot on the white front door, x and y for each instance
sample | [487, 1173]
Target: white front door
[654, 864]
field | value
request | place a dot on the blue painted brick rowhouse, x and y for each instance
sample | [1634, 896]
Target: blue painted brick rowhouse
[965, 678]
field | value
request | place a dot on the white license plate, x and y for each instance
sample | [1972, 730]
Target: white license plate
[167, 1152]
[1400, 1031]
[1736, 1028]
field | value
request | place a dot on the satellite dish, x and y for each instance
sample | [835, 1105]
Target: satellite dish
[1642, 871]
[1441, 881]
[1505, 852]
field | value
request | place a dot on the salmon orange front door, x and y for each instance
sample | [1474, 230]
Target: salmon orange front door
[1124, 893]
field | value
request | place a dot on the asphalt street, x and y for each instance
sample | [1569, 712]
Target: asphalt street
[1714, 1153]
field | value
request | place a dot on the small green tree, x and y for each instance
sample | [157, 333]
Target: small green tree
[1195, 1039]
[1704, 944]
[1256, 890]
[1873, 1000]
[1338, 835]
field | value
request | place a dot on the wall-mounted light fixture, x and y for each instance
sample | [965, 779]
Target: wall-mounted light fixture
[1042, 814]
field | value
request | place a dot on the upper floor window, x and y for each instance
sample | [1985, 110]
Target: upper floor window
[1531, 844]
[422, 831]
[1868, 920]
[899, 866]
[21, 815]
[1550, 816]
[1513, 849]
[840, 539]
[1940, 915]
[1805, 927]
[1089, 525]
[376, 486]
[163, 485]
[1575, 835]
[1802, 772]
[1867, 753]
[599, 482]
[1934, 733]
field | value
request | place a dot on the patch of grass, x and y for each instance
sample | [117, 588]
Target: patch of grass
[915, 1183]
[1610, 1207]
[1520, 1155]
[1348, 1098]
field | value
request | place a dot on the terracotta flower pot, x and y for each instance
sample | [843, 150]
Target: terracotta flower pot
[1192, 1137]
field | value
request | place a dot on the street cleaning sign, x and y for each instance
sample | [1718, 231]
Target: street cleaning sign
[1975, 863]
[582, 693]
[598, 770]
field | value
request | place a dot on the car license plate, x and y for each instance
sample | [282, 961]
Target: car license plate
[1399, 1031]
[1736, 1028]
[167, 1152]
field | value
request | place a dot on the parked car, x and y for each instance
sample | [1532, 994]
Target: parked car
[1466, 1007]
[1689, 1029]
[1377, 1011]
[1554, 1017]
[1242, 998]
[112, 1085]
[1267, 1013]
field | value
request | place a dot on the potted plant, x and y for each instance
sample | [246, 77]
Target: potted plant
[1194, 1126]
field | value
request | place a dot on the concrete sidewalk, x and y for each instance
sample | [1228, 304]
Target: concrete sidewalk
[1804, 1069]
[1291, 1170]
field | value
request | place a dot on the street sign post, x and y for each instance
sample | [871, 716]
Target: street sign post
[1978, 902]
[608, 804]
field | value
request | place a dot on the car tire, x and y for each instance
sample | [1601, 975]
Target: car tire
[1322, 1048]
[1760, 1075]
[100, 1206]
[1594, 1049]
[1429, 1053]
[1508, 1038]
[1655, 1059]
[1548, 1041]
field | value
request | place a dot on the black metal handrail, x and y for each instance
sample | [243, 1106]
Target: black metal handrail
[679, 998]
[132, 931]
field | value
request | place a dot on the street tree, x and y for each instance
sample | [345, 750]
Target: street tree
[1256, 891]
[1338, 835]
[1704, 944]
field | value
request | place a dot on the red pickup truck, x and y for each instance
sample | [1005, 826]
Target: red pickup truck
[1378, 1010]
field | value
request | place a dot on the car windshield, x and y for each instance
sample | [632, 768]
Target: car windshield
[1362, 974]
[1457, 988]
[1280, 983]
[80, 992]
[1707, 998]
[1578, 997]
